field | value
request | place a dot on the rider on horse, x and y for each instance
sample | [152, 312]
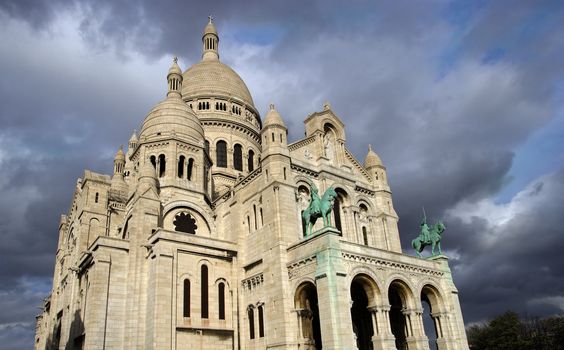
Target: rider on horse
[425, 233]
[315, 204]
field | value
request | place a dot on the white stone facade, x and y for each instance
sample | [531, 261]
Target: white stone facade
[196, 241]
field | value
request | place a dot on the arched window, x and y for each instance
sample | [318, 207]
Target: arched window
[251, 161]
[337, 213]
[207, 147]
[190, 167]
[181, 166]
[251, 316]
[255, 212]
[261, 321]
[162, 165]
[248, 223]
[238, 157]
[221, 300]
[204, 291]
[154, 162]
[221, 154]
[186, 303]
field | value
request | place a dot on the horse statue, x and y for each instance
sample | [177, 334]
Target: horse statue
[429, 236]
[319, 207]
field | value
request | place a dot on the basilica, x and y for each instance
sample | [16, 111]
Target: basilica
[198, 239]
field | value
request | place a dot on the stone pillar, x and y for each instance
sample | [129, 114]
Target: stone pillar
[332, 288]
[98, 304]
[383, 339]
[415, 336]
[163, 317]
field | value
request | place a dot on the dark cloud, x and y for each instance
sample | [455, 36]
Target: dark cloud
[445, 92]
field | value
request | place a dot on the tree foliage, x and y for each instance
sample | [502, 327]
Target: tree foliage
[509, 332]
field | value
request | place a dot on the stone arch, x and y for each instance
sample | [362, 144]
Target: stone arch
[342, 200]
[306, 307]
[203, 220]
[333, 126]
[93, 231]
[302, 202]
[401, 316]
[364, 294]
[434, 317]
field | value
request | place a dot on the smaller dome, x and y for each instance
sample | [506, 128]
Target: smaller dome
[273, 118]
[371, 159]
[133, 137]
[172, 116]
[175, 68]
[120, 155]
[210, 27]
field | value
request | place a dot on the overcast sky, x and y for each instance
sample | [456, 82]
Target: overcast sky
[463, 101]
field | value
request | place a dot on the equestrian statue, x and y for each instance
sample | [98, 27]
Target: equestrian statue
[318, 207]
[428, 236]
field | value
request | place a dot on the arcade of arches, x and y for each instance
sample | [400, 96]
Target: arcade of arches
[376, 324]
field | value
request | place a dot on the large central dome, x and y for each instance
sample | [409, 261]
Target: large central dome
[213, 78]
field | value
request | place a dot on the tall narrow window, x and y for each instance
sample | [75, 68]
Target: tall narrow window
[190, 167]
[255, 212]
[249, 223]
[221, 154]
[337, 211]
[162, 165]
[96, 197]
[221, 296]
[204, 291]
[261, 218]
[181, 166]
[238, 157]
[154, 162]
[261, 321]
[186, 304]
[251, 316]
[364, 235]
[251, 161]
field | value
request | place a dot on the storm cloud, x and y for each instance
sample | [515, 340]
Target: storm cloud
[450, 95]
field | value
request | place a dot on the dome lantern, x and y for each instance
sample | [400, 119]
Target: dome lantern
[174, 79]
[210, 40]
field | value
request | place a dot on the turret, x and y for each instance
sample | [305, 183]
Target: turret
[274, 136]
[210, 41]
[375, 168]
[133, 141]
[119, 187]
[174, 78]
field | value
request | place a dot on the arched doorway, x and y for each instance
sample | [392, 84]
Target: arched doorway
[363, 291]
[432, 321]
[309, 332]
[401, 328]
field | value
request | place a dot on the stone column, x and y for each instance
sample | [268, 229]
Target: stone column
[332, 289]
[383, 338]
[416, 339]
[98, 304]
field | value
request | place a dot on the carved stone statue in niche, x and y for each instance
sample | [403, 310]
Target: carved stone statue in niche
[329, 145]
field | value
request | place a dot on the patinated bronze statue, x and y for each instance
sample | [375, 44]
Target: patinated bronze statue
[428, 236]
[318, 207]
